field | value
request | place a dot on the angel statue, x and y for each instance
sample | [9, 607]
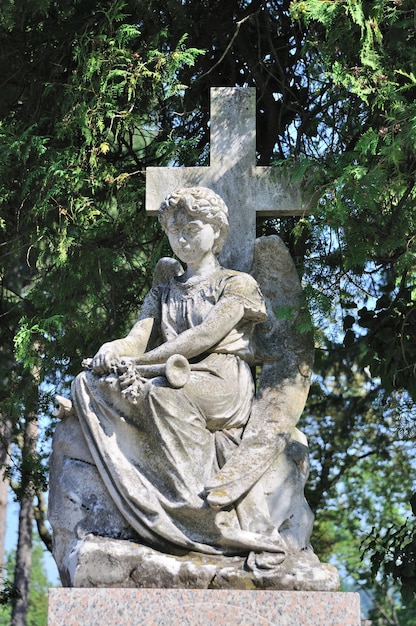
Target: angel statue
[191, 457]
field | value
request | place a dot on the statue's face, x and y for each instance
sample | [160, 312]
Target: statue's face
[190, 239]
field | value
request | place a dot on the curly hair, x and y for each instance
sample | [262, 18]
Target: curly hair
[199, 203]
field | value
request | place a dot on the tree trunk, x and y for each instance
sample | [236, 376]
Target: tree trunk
[40, 517]
[26, 516]
[5, 439]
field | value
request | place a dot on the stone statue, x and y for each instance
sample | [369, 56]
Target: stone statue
[169, 447]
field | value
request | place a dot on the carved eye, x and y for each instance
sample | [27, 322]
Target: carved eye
[192, 229]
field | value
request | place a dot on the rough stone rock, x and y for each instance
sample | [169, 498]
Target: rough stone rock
[100, 562]
[79, 503]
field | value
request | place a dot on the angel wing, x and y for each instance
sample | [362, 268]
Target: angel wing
[287, 357]
[166, 268]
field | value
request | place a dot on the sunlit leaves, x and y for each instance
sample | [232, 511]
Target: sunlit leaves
[98, 91]
[370, 198]
[80, 123]
[364, 229]
[394, 549]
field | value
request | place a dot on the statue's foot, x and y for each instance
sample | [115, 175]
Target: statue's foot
[219, 499]
[265, 560]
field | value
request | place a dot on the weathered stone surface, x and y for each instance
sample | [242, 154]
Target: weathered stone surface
[287, 357]
[79, 503]
[84, 518]
[232, 174]
[124, 465]
[100, 562]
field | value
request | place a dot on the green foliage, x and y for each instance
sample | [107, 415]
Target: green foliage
[7, 594]
[366, 215]
[364, 228]
[95, 92]
[76, 170]
[38, 590]
[393, 551]
[81, 116]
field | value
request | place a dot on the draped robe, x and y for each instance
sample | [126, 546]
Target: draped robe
[156, 456]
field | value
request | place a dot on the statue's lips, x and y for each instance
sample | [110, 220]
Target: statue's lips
[186, 249]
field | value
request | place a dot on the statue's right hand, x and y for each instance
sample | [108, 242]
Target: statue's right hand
[103, 361]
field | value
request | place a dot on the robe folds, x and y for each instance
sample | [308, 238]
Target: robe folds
[156, 455]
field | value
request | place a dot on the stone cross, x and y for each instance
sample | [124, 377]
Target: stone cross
[247, 189]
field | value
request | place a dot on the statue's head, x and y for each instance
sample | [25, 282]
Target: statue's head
[198, 203]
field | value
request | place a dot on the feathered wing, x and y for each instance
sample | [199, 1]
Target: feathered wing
[166, 268]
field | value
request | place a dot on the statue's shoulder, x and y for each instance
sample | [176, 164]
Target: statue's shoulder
[237, 276]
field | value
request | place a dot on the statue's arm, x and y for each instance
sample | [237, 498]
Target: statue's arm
[133, 345]
[222, 318]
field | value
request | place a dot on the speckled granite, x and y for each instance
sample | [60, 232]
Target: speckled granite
[196, 607]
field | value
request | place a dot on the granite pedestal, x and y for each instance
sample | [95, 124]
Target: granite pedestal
[196, 607]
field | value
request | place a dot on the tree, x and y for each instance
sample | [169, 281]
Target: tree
[5, 440]
[125, 90]
[39, 584]
[26, 493]
[368, 53]
[77, 129]
[372, 189]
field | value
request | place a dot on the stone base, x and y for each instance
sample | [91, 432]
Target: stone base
[196, 607]
[110, 563]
